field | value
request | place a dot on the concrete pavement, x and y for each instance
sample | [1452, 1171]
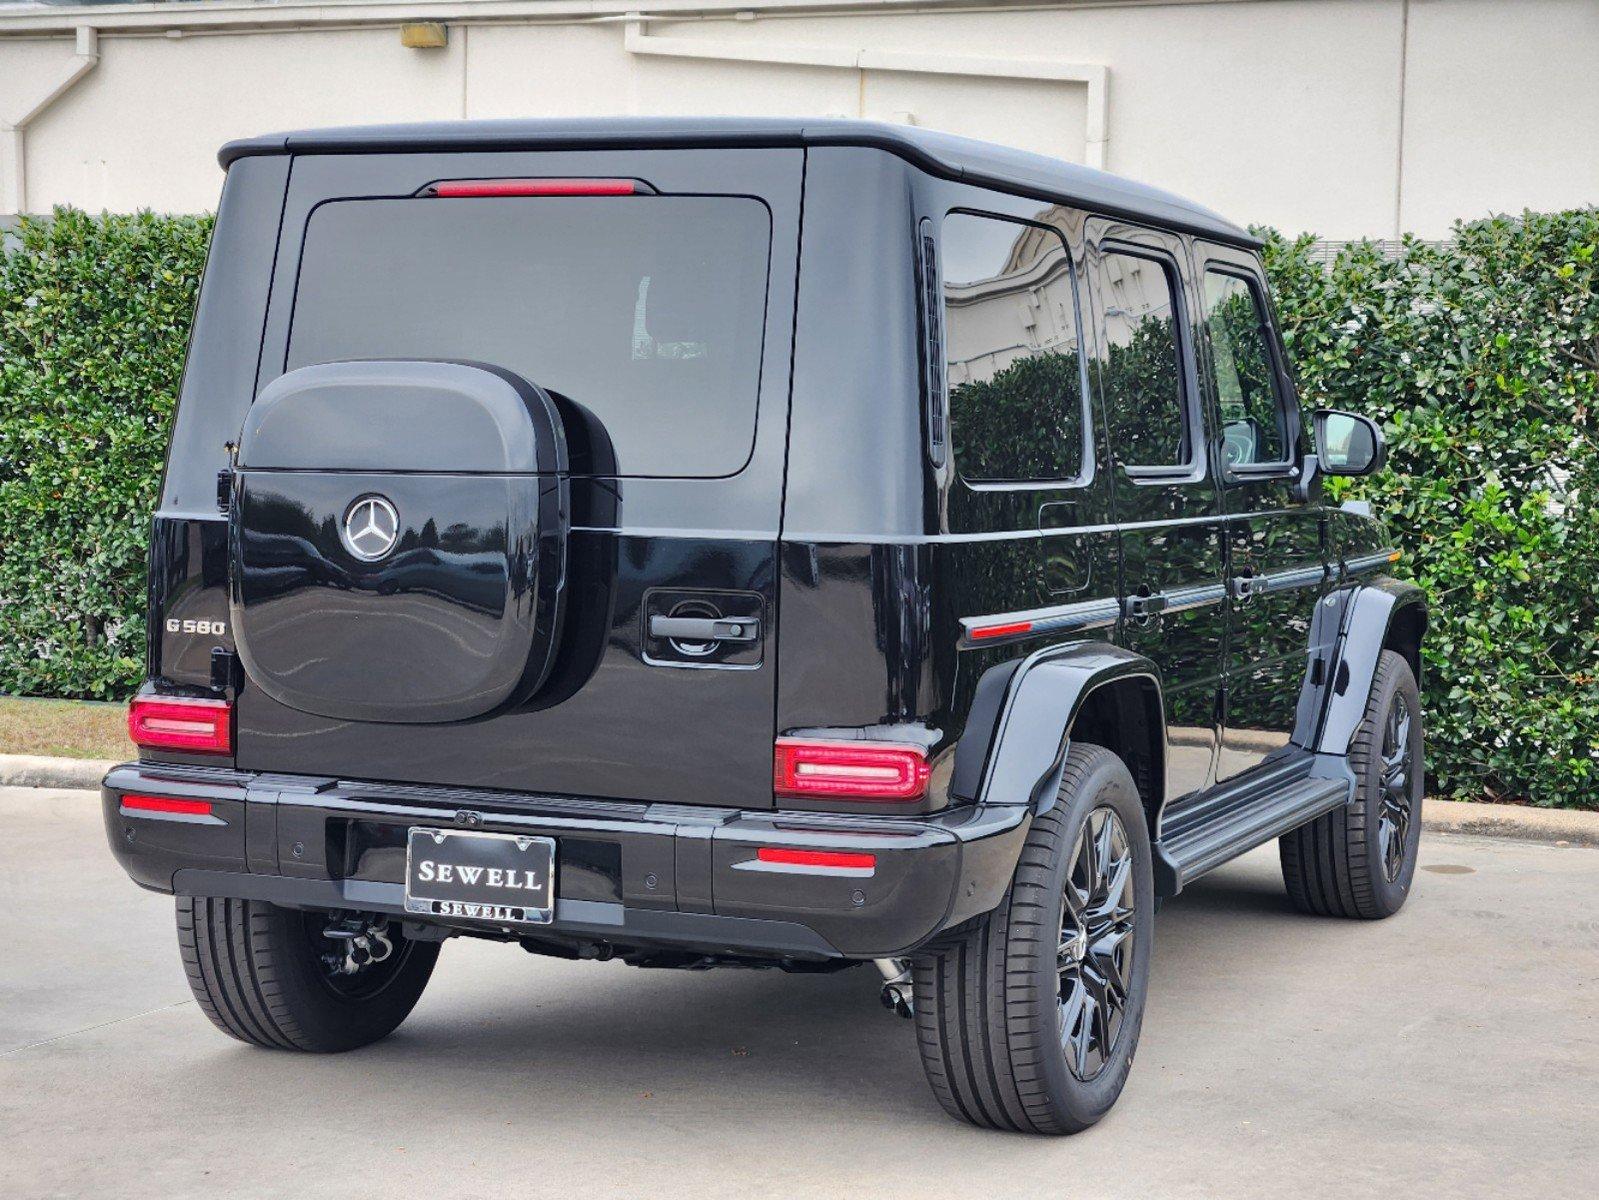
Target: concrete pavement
[1452, 1051]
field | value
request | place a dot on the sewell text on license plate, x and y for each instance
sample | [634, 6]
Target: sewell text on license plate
[506, 878]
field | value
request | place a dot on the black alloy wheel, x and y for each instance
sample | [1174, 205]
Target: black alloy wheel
[1096, 944]
[1028, 1016]
[1393, 820]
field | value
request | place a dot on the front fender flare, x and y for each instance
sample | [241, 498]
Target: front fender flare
[1369, 617]
[1025, 756]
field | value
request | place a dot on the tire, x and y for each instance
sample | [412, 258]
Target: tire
[994, 1002]
[257, 972]
[1359, 861]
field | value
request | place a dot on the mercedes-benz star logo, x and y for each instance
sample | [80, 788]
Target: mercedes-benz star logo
[371, 527]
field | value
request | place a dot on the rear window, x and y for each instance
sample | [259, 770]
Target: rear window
[648, 311]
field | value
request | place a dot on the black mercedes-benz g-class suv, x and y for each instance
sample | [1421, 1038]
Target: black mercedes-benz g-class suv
[752, 542]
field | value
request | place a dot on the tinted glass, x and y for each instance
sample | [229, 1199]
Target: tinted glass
[1251, 416]
[1142, 377]
[646, 310]
[1010, 332]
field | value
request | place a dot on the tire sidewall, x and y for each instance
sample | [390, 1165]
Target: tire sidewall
[1107, 784]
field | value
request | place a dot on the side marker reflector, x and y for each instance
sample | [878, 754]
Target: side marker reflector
[995, 631]
[167, 804]
[817, 858]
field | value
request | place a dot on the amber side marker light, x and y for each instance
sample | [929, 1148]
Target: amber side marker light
[457, 188]
[176, 723]
[167, 804]
[849, 770]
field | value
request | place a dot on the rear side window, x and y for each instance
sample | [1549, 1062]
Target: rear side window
[1142, 376]
[648, 311]
[1011, 336]
[1241, 367]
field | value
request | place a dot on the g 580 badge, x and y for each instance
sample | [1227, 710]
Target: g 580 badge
[213, 628]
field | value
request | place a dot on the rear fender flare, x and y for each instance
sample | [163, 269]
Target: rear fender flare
[1371, 618]
[1031, 732]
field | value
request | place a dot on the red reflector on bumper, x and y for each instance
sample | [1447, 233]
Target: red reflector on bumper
[994, 631]
[849, 770]
[167, 804]
[534, 187]
[816, 858]
[176, 723]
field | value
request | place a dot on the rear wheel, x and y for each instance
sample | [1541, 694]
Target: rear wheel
[1359, 861]
[1029, 1019]
[271, 976]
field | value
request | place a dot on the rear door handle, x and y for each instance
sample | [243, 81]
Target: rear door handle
[706, 629]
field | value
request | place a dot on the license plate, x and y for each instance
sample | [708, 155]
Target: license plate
[506, 878]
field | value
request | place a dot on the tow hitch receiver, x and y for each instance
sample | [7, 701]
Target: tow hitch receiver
[364, 943]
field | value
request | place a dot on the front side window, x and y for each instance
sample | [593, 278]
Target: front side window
[648, 311]
[1241, 367]
[1142, 375]
[1011, 351]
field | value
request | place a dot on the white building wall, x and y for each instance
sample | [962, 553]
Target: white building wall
[1347, 117]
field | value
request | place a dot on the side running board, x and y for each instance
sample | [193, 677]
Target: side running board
[1204, 834]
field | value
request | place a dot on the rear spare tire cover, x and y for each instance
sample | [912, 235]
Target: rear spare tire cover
[398, 540]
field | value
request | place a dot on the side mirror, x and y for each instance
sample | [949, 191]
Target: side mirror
[1240, 441]
[1347, 444]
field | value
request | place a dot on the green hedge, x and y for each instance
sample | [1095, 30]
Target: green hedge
[1480, 358]
[94, 316]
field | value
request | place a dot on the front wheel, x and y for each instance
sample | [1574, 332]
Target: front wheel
[271, 976]
[1028, 1019]
[1359, 861]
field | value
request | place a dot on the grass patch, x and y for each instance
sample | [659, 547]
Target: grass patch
[64, 728]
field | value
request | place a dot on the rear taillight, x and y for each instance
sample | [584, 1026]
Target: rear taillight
[178, 723]
[849, 770]
[167, 804]
[456, 188]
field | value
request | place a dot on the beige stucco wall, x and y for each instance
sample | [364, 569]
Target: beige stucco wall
[1347, 117]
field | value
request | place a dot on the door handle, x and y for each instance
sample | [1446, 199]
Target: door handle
[705, 629]
[1146, 605]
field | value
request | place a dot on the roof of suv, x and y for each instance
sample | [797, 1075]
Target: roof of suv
[941, 154]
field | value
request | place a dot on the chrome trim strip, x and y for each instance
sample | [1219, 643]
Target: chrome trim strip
[1287, 581]
[1105, 612]
[771, 868]
[1061, 618]
[1083, 615]
[1185, 599]
[1368, 563]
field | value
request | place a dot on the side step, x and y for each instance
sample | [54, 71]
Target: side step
[1204, 834]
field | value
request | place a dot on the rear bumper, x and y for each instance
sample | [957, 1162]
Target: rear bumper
[629, 875]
